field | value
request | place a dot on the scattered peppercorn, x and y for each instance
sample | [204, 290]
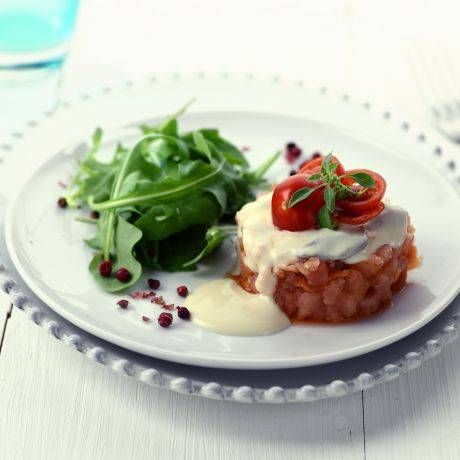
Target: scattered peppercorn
[123, 303]
[105, 268]
[94, 215]
[292, 172]
[182, 291]
[62, 202]
[292, 152]
[165, 319]
[158, 299]
[183, 313]
[146, 319]
[316, 155]
[153, 284]
[123, 275]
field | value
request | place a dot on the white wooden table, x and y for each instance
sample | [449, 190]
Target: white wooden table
[55, 403]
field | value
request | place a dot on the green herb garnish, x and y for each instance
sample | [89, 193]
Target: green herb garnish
[334, 189]
[165, 203]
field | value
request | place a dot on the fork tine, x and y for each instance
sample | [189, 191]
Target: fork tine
[448, 111]
[435, 113]
[413, 55]
[449, 72]
[436, 79]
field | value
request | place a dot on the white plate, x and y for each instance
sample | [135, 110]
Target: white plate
[46, 243]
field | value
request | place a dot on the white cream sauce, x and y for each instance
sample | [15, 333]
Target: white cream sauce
[266, 247]
[222, 306]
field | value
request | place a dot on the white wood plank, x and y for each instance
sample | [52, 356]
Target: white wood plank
[418, 415]
[54, 400]
[5, 308]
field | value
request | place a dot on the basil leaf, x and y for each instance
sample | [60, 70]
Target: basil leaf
[325, 165]
[329, 198]
[300, 195]
[332, 167]
[363, 179]
[324, 218]
[316, 176]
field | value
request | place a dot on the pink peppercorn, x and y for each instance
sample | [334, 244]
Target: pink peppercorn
[123, 303]
[183, 313]
[123, 275]
[292, 152]
[62, 202]
[153, 283]
[165, 319]
[182, 291]
[105, 268]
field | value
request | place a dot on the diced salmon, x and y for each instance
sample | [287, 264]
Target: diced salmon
[332, 291]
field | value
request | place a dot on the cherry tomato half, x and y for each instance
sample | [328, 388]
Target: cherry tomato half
[314, 166]
[369, 200]
[359, 219]
[302, 216]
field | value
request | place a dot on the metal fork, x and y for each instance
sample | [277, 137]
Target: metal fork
[437, 82]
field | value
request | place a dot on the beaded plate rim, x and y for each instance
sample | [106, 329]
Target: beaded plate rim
[41, 315]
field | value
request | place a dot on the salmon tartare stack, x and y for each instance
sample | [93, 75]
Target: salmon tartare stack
[324, 245]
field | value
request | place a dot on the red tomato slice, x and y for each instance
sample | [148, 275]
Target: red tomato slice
[353, 219]
[369, 199]
[314, 166]
[302, 216]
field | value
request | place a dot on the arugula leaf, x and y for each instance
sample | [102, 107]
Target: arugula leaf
[162, 200]
[214, 238]
[168, 126]
[92, 175]
[231, 153]
[363, 179]
[324, 218]
[163, 220]
[300, 195]
[126, 237]
[110, 218]
[170, 188]
[201, 144]
[96, 138]
[178, 249]
[261, 170]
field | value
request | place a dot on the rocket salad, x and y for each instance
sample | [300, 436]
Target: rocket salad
[165, 204]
